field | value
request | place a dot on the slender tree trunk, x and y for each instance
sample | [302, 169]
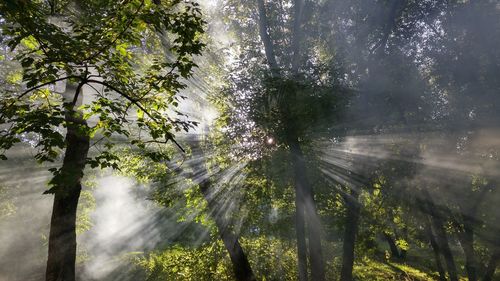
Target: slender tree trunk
[305, 206]
[442, 237]
[304, 190]
[435, 249]
[466, 238]
[396, 252]
[241, 266]
[351, 227]
[492, 266]
[466, 232]
[266, 39]
[67, 188]
[392, 245]
[297, 34]
[300, 230]
[314, 239]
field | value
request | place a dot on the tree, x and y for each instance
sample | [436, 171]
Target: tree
[93, 45]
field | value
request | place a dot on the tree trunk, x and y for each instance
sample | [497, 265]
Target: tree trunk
[297, 34]
[466, 232]
[396, 7]
[492, 266]
[305, 206]
[300, 229]
[435, 249]
[303, 189]
[442, 237]
[67, 188]
[241, 266]
[392, 245]
[402, 254]
[467, 243]
[266, 39]
[351, 228]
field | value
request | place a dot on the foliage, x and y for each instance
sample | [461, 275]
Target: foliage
[393, 103]
[180, 263]
[271, 258]
[98, 44]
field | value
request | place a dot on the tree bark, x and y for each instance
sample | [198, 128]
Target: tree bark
[241, 266]
[442, 237]
[300, 230]
[67, 188]
[466, 238]
[303, 189]
[466, 232]
[351, 227]
[435, 248]
[392, 245]
[297, 35]
[266, 39]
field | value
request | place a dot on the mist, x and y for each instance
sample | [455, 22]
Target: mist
[251, 140]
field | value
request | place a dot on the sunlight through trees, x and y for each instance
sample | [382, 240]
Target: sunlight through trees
[249, 140]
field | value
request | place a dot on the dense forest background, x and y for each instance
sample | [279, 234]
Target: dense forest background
[250, 140]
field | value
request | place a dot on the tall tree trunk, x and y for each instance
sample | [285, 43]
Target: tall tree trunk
[297, 34]
[241, 266]
[67, 188]
[304, 190]
[300, 230]
[305, 206]
[466, 238]
[266, 39]
[466, 231]
[442, 237]
[435, 248]
[352, 218]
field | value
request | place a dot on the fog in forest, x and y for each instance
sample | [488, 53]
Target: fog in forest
[250, 140]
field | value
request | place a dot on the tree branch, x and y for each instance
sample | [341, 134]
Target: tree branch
[47, 83]
[127, 25]
[77, 93]
[38, 87]
[137, 103]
